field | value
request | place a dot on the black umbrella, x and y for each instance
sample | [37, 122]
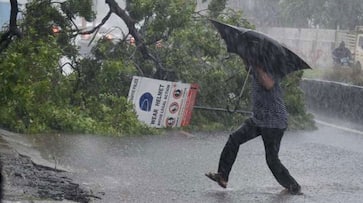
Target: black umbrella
[258, 49]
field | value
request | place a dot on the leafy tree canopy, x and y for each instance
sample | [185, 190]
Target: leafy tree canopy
[322, 13]
[172, 42]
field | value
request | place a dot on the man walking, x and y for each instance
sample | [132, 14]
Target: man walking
[269, 121]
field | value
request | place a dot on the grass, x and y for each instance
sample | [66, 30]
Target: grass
[317, 73]
[344, 75]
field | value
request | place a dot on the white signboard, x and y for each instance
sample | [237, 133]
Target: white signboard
[160, 103]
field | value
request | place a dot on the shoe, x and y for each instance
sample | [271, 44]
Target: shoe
[295, 190]
[217, 178]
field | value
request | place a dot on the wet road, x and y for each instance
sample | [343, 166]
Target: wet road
[328, 163]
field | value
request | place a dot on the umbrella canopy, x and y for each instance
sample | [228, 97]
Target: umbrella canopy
[258, 49]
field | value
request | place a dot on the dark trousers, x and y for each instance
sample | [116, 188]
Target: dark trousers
[271, 139]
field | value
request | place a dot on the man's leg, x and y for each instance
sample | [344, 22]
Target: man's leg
[272, 139]
[229, 153]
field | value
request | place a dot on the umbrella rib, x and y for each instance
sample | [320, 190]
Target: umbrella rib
[241, 93]
[245, 82]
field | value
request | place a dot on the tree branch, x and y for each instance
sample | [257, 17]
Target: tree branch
[104, 20]
[130, 23]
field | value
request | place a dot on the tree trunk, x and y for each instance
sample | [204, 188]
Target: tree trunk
[13, 30]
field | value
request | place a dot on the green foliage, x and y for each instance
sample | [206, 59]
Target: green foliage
[216, 7]
[92, 99]
[305, 13]
[116, 114]
[160, 18]
[41, 17]
[74, 8]
[28, 75]
[344, 75]
[266, 13]
[196, 53]
[325, 13]
[38, 98]
[139, 9]
[294, 100]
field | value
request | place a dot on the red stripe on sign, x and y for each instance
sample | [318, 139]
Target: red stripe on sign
[189, 104]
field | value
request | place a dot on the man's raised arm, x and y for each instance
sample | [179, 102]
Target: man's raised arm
[265, 79]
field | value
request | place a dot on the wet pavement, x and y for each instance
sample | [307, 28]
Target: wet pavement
[328, 163]
[28, 181]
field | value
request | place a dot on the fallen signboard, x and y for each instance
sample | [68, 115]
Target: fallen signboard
[160, 103]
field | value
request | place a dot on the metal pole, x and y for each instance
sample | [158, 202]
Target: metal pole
[222, 109]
